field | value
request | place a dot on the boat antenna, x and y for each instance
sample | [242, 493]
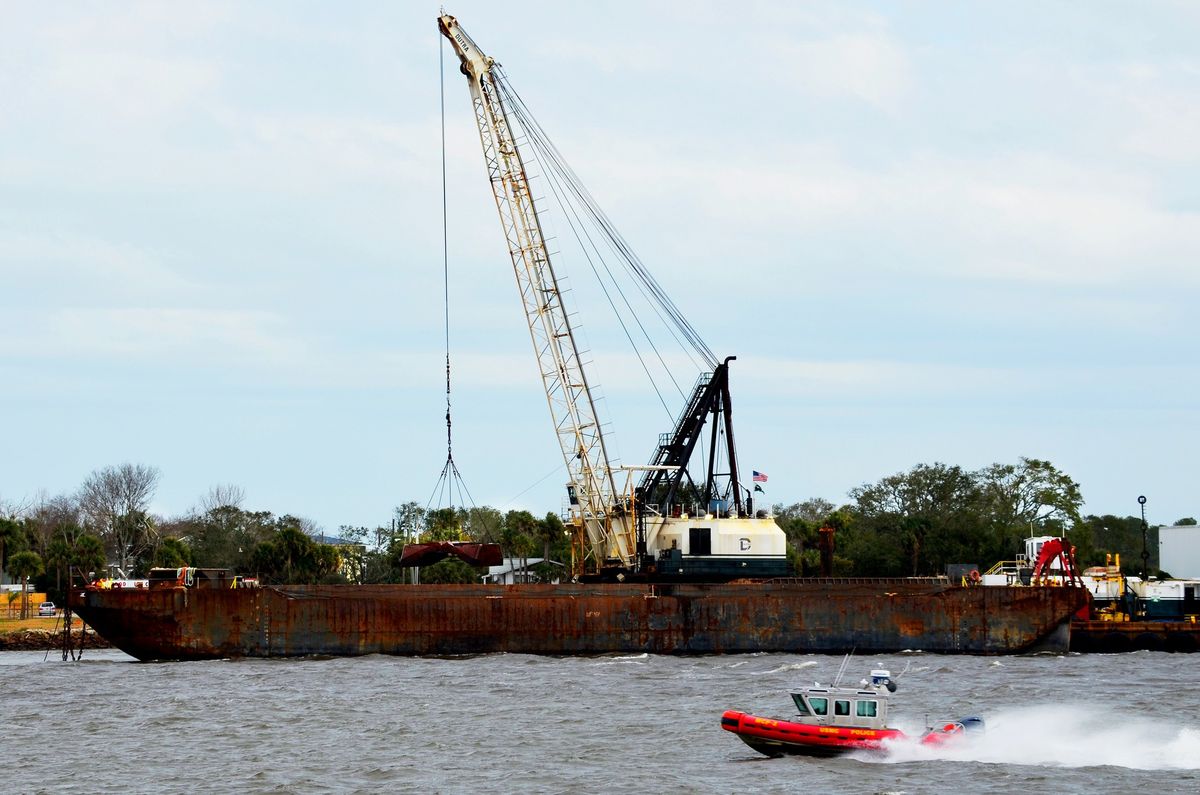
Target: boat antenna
[450, 479]
[837, 680]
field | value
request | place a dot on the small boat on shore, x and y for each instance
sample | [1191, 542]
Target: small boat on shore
[836, 720]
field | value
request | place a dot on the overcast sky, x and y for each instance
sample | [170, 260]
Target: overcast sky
[929, 231]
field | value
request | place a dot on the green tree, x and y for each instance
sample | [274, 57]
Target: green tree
[327, 564]
[1187, 521]
[442, 524]
[409, 521]
[291, 556]
[1031, 497]
[450, 570]
[800, 522]
[25, 565]
[483, 524]
[518, 535]
[47, 518]
[297, 551]
[171, 553]
[71, 548]
[225, 536]
[871, 546]
[523, 547]
[925, 517]
[12, 539]
[556, 541]
[1118, 535]
[813, 510]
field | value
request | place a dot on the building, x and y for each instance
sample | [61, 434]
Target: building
[511, 571]
[1179, 551]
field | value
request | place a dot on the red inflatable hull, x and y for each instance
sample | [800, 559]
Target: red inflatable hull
[775, 737]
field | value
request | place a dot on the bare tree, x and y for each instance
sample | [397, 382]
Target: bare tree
[311, 528]
[114, 502]
[222, 495]
[48, 516]
[13, 508]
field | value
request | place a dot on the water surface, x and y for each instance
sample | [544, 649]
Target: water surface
[509, 723]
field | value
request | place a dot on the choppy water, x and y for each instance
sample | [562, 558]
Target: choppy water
[513, 723]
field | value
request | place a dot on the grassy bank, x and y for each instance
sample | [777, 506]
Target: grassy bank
[37, 633]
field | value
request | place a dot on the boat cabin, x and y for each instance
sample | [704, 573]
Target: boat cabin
[864, 707]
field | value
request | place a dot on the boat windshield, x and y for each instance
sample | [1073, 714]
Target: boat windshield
[800, 705]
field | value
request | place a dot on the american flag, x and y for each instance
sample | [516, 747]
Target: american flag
[760, 477]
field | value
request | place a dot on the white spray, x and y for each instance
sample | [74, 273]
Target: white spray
[1066, 736]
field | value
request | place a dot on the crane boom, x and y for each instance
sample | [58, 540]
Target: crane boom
[572, 407]
[669, 527]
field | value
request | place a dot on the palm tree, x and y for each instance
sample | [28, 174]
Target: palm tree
[25, 565]
[11, 538]
[72, 548]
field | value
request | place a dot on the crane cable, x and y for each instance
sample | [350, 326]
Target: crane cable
[589, 222]
[553, 159]
[580, 232]
[450, 477]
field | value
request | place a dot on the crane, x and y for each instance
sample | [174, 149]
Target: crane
[635, 529]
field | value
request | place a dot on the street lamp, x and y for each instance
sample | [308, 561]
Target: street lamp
[1145, 551]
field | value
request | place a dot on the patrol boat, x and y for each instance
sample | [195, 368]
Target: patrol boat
[836, 720]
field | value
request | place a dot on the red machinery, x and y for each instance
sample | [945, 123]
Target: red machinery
[1056, 549]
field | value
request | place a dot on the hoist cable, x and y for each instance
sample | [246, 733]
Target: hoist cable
[450, 476]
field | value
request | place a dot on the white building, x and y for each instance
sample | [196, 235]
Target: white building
[511, 572]
[1179, 551]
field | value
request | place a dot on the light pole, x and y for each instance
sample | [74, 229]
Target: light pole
[1145, 551]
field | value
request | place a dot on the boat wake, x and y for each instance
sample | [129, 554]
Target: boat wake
[800, 666]
[624, 659]
[1063, 736]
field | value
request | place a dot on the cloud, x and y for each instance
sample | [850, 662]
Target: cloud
[866, 380]
[608, 57]
[61, 259]
[1015, 217]
[866, 65]
[211, 334]
[1163, 112]
[109, 68]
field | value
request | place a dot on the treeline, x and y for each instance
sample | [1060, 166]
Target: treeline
[917, 522]
[910, 523]
[106, 528]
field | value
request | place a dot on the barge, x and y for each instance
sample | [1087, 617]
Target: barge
[218, 617]
[1125, 613]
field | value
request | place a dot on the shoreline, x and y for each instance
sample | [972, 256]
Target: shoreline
[49, 640]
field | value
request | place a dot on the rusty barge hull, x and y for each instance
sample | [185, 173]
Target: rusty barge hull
[1113, 637]
[812, 616]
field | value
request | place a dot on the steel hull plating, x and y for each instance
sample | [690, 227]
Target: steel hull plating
[812, 616]
[1123, 636]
